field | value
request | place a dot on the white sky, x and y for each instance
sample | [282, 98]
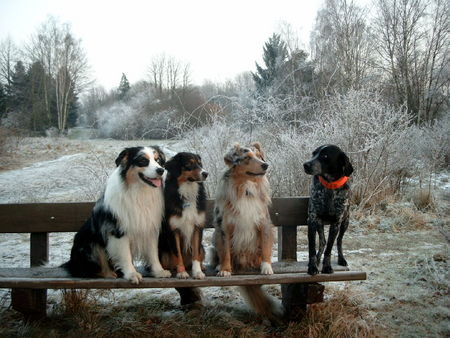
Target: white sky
[218, 38]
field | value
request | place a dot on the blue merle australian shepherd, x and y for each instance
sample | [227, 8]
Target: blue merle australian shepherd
[125, 222]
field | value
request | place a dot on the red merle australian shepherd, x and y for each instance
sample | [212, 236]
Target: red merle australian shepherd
[243, 236]
[125, 222]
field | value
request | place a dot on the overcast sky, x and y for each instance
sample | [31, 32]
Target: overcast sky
[218, 38]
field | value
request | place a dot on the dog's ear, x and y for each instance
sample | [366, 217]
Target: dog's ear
[161, 156]
[346, 165]
[122, 156]
[232, 156]
[173, 166]
[258, 147]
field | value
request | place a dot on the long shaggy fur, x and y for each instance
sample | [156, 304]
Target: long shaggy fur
[126, 220]
[243, 234]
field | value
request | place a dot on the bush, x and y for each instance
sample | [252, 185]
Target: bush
[380, 140]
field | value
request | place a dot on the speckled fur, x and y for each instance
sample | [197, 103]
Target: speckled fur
[327, 205]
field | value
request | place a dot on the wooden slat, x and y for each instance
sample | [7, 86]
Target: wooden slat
[69, 217]
[119, 283]
[287, 243]
[44, 272]
[39, 248]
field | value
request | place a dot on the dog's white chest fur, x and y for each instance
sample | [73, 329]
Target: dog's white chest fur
[190, 216]
[139, 209]
[250, 212]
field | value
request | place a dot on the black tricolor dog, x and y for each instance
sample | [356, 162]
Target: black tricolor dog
[329, 203]
[180, 243]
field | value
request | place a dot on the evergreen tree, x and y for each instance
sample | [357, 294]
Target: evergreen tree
[274, 56]
[72, 116]
[18, 88]
[124, 87]
[3, 98]
[36, 104]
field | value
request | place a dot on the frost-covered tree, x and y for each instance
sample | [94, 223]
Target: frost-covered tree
[413, 44]
[65, 64]
[274, 56]
[341, 46]
[124, 87]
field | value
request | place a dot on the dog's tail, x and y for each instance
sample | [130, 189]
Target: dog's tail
[262, 303]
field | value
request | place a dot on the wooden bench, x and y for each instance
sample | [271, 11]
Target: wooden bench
[29, 285]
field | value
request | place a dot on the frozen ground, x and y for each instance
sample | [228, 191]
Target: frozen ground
[404, 251]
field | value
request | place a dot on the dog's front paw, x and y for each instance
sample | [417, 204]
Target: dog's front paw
[266, 268]
[198, 274]
[182, 275]
[312, 269]
[161, 274]
[224, 273]
[134, 277]
[327, 269]
[342, 261]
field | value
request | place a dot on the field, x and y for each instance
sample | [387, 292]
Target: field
[402, 245]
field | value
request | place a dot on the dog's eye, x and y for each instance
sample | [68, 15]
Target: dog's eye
[142, 162]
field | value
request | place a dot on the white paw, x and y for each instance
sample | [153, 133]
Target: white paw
[134, 277]
[182, 275]
[198, 274]
[224, 273]
[161, 274]
[266, 268]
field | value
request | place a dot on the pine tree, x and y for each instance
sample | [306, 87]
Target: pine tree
[274, 56]
[2, 101]
[18, 88]
[124, 87]
[36, 104]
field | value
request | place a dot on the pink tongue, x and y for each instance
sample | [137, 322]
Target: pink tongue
[156, 181]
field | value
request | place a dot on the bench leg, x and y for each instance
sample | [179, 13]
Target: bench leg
[190, 296]
[32, 303]
[297, 296]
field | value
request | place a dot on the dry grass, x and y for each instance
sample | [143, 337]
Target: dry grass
[423, 200]
[342, 315]
[80, 314]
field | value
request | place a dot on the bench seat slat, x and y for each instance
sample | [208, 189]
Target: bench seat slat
[57, 272]
[57, 278]
[148, 282]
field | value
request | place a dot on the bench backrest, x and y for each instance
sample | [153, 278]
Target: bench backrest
[69, 217]
[39, 219]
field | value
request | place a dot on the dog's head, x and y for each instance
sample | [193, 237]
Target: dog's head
[142, 165]
[329, 160]
[247, 160]
[186, 167]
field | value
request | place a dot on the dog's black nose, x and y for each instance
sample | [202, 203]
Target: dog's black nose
[160, 171]
[307, 167]
[264, 166]
[205, 174]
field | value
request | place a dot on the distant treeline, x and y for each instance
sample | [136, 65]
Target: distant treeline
[399, 49]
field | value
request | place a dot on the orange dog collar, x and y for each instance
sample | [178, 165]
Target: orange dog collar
[335, 184]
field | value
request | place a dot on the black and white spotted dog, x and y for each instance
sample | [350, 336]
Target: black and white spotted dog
[125, 222]
[329, 203]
